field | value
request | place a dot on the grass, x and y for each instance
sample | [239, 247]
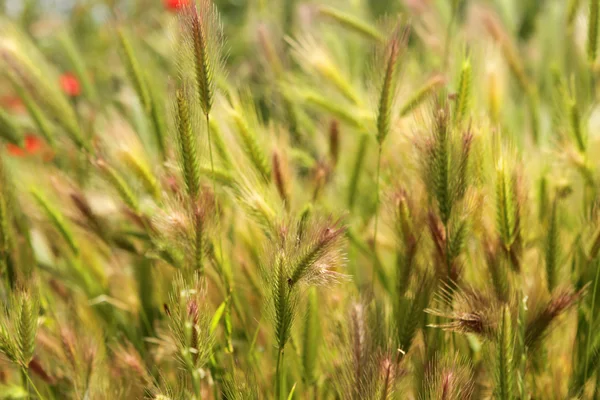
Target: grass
[206, 199]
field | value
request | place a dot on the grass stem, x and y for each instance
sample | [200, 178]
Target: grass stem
[377, 178]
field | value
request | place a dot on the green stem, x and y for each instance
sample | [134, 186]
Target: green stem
[448, 40]
[448, 261]
[215, 391]
[219, 233]
[190, 365]
[196, 384]
[29, 382]
[376, 209]
[212, 170]
[25, 382]
[279, 377]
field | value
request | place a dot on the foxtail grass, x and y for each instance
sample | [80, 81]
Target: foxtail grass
[385, 106]
[187, 145]
[463, 97]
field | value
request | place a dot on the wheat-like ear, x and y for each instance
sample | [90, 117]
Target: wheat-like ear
[498, 268]
[246, 123]
[318, 254]
[26, 326]
[18, 328]
[388, 373]
[440, 164]
[387, 89]
[8, 347]
[448, 376]
[409, 313]
[505, 205]
[202, 39]
[241, 385]
[284, 311]
[284, 302]
[464, 92]
[407, 250]
[544, 316]
[188, 144]
[472, 312]
[189, 324]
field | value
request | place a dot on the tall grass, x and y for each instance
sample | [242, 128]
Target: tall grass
[299, 200]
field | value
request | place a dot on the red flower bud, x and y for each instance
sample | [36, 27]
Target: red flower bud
[33, 145]
[70, 85]
[175, 5]
[14, 150]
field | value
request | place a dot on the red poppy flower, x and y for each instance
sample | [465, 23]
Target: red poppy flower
[70, 85]
[33, 145]
[175, 5]
[15, 150]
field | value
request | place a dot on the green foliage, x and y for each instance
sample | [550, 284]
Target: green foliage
[390, 212]
[57, 220]
[9, 130]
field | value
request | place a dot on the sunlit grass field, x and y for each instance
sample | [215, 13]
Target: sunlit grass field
[288, 199]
